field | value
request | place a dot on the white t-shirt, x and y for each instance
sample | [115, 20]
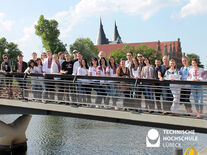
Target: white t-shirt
[128, 64]
[93, 70]
[111, 71]
[75, 67]
[83, 72]
[102, 72]
[61, 61]
[135, 72]
[45, 66]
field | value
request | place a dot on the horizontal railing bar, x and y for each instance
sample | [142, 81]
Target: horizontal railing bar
[116, 79]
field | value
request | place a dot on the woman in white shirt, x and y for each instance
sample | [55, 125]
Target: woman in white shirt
[41, 84]
[114, 85]
[83, 84]
[135, 74]
[55, 69]
[103, 87]
[148, 73]
[93, 71]
[32, 69]
[196, 74]
[173, 74]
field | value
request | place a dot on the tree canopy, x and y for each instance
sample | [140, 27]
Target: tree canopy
[86, 47]
[11, 49]
[149, 52]
[49, 33]
[193, 55]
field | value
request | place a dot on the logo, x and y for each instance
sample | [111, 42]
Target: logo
[153, 138]
[190, 151]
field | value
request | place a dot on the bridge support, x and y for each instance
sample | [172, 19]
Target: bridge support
[13, 135]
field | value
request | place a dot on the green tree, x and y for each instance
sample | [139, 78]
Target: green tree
[86, 47]
[149, 52]
[3, 47]
[193, 55]
[11, 49]
[49, 33]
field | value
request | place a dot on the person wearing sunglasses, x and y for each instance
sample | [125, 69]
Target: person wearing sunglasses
[6, 69]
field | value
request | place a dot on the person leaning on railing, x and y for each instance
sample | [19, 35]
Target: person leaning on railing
[173, 74]
[113, 85]
[55, 69]
[7, 69]
[84, 89]
[103, 87]
[157, 88]
[166, 93]
[46, 68]
[40, 85]
[67, 69]
[93, 71]
[20, 67]
[185, 90]
[135, 74]
[196, 74]
[148, 73]
[124, 72]
[32, 69]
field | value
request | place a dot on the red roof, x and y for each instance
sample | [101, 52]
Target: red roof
[108, 48]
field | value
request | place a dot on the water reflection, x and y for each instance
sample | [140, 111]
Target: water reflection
[64, 135]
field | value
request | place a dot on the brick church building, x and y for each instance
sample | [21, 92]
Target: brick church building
[170, 48]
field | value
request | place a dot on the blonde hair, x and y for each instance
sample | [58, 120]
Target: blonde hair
[172, 60]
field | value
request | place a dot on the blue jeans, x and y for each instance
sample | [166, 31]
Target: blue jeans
[114, 91]
[148, 91]
[167, 97]
[197, 92]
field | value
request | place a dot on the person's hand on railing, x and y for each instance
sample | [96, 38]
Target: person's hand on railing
[161, 79]
[196, 80]
[43, 74]
[171, 79]
[5, 73]
[64, 72]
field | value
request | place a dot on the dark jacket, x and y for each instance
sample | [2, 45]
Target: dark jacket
[24, 67]
[7, 66]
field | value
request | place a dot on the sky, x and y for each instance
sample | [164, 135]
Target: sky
[137, 21]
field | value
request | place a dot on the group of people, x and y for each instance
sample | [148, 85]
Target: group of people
[138, 67]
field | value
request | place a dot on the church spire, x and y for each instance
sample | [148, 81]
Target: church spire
[101, 38]
[116, 37]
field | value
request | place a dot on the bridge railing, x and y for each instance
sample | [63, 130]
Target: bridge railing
[178, 97]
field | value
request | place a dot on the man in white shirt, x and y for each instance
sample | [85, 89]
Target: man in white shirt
[46, 68]
[55, 69]
[128, 63]
[77, 63]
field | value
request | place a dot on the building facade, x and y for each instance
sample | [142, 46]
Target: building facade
[172, 49]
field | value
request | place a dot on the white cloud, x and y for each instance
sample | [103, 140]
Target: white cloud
[194, 7]
[88, 8]
[5, 25]
[28, 34]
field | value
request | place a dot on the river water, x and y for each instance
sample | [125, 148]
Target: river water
[53, 135]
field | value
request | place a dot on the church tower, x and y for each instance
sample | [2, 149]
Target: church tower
[101, 38]
[116, 37]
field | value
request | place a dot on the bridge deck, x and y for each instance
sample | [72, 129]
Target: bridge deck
[145, 119]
